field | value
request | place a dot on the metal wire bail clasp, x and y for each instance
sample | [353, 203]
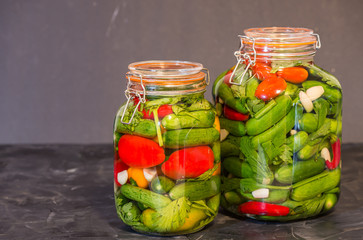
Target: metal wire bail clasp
[318, 43]
[131, 94]
[207, 75]
[243, 56]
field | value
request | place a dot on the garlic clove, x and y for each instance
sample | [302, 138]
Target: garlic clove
[223, 134]
[306, 102]
[122, 177]
[325, 154]
[261, 193]
[149, 173]
[293, 132]
[315, 92]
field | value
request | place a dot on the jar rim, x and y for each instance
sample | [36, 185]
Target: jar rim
[165, 69]
[156, 77]
[282, 36]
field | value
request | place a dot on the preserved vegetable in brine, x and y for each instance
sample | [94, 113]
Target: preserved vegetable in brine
[281, 119]
[167, 150]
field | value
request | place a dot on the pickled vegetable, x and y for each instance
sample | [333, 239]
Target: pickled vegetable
[283, 162]
[167, 165]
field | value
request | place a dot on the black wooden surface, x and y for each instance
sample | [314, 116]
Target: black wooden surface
[66, 192]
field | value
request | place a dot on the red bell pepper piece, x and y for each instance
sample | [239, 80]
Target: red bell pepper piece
[234, 115]
[163, 110]
[336, 148]
[118, 166]
[139, 152]
[188, 162]
[270, 88]
[262, 208]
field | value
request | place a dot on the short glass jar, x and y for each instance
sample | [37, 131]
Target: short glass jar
[167, 150]
[281, 121]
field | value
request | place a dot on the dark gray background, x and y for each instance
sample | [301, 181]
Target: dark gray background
[62, 63]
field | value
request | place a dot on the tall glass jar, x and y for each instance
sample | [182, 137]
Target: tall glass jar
[281, 121]
[167, 150]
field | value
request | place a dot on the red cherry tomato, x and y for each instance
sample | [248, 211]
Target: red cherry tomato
[118, 166]
[163, 110]
[188, 162]
[293, 74]
[270, 88]
[228, 76]
[234, 115]
[262, 71]
[139, 152]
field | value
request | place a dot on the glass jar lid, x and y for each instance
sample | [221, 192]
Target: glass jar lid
[281, 36]
[168, 69]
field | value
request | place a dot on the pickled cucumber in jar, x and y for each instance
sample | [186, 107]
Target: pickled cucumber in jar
[281, 120]
[167, 153]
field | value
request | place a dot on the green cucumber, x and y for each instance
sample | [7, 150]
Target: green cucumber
[196, 190]
[144, 196]
[145, 128]
[248, 185]
[312, 187]
[299, 170]
[162, 184]
[256, 126]
[331, 200]
[308, 122]
[237, 167]
[332, 94]
[308, 151]
[213, 202]
[216, 148]
[275, 196]
[251, 87]
[230, 146]
[233, 198]
[190, 137]
[219, 109]
[297, 141]
[236, 128]
[280, 128]
[228, 149]
[226, 94]
[217, 83]
[230, 184]
[195, 119]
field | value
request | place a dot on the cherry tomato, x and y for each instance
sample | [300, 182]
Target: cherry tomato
[293, 74]
[228, 76]
[262, 71]
[270, 88]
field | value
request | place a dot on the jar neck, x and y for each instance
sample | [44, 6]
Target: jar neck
[267, 53]
[279, 43]
[166, 78]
